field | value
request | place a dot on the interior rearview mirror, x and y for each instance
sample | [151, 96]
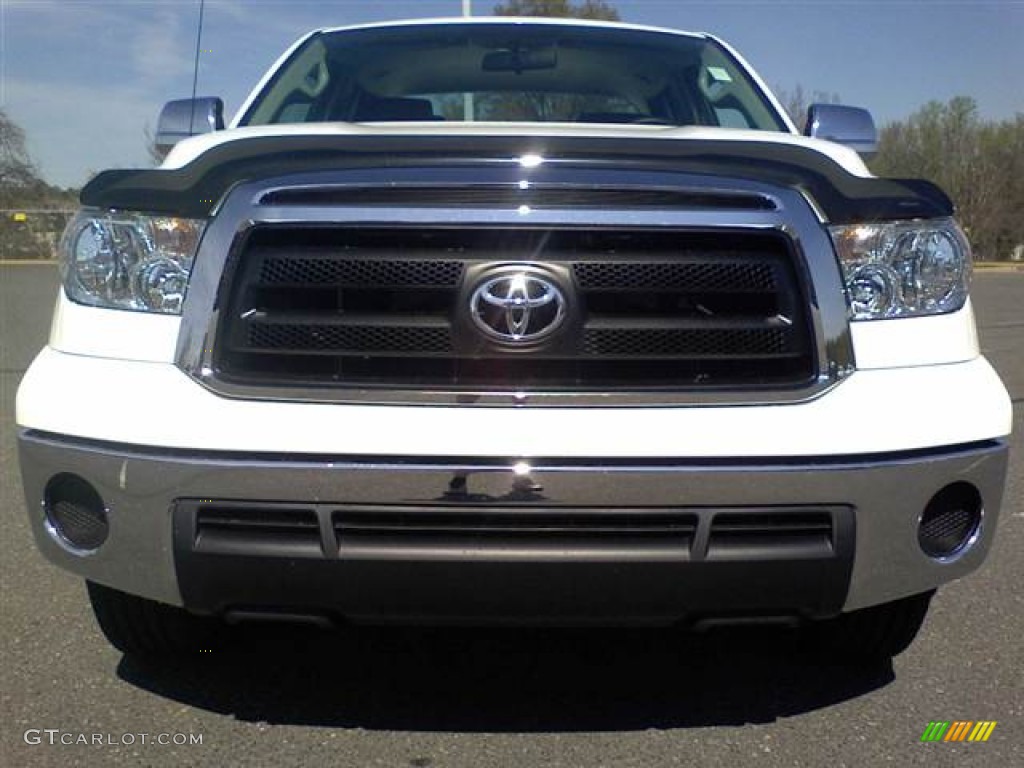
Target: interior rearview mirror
[520, 60]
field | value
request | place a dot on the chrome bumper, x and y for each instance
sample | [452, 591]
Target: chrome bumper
[875, 502]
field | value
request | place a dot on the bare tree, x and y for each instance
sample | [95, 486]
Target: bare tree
[545, 107]
[588, 9]
[25, 230]
[797, 102]
[18, 176]
[156, 156]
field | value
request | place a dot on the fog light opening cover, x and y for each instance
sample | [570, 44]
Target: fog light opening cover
[75, 513]
[951, 521]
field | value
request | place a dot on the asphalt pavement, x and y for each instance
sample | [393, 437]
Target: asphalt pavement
[439, 698]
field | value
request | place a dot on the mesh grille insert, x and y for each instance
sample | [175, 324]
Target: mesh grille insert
[692, 277]
[652, 342]
[329, 339]
[330, 271]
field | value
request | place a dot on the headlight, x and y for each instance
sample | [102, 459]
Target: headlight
[903, 268]
[129, 260]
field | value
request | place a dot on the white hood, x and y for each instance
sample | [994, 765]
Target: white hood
[189, 149]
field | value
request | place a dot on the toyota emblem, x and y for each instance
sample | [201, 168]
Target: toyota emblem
[517, 307]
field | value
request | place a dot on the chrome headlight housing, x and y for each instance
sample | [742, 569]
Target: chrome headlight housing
[903, 268]
[126, 260]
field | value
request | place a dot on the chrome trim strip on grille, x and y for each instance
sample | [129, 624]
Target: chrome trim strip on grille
[814, 261]
[490, 195]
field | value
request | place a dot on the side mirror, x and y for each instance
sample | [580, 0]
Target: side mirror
[187, 117]
[851, 126]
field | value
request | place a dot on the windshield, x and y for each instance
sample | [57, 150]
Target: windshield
[512, 73]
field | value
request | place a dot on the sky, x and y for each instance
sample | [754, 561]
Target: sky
[86, 78]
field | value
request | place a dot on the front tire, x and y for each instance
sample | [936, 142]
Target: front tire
[137, 626]
[878, 632]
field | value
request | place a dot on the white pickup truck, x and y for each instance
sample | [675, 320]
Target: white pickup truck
[505, 320]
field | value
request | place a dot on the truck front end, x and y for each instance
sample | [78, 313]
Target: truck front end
[477, 373]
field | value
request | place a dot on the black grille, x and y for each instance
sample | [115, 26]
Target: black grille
[648, 310]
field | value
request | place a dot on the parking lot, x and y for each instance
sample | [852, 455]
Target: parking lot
[439, 698]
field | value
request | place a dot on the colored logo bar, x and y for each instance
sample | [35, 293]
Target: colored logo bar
[958, 730]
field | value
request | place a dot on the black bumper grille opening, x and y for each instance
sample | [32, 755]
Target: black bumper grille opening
[366, 307]
[246, 529]
[510, 560]
[512, 530]
[749, 535]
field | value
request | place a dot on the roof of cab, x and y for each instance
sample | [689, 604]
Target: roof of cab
[516, 20]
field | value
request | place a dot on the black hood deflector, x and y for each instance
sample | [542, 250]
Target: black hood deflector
[195, 189]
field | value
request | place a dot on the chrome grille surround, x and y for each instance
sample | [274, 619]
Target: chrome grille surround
[782, 214]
